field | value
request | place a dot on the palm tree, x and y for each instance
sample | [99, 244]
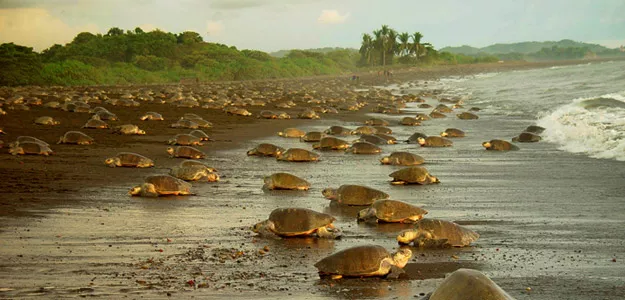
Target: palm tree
[367, 48]
[417, 48]
[384, 32]
[404, 43]
[391, 44]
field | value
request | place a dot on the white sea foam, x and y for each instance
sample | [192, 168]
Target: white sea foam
[594, 126]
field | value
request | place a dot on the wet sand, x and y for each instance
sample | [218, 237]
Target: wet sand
[550, 221]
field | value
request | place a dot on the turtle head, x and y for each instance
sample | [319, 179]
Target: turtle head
[407, 236]
[2, 131]
[264, 227]
[401, 257]
[329, 232]
[281, 133]
[279, 155]
[421, 141]
[385, 160]
[444, 134]
[329, 193]
[212, 177]
[111, 161]
[135, 191]
[251, 152]
[141, 131]
[15, 150]
[170, 150]
[487, 145]
[434, 179]
[144, 117]
[367, 214]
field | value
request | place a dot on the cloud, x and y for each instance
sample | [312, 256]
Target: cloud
[331, 17]
[214, 28]
[236, 4]
[35, 27]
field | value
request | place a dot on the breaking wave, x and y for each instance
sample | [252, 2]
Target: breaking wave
[594, 126]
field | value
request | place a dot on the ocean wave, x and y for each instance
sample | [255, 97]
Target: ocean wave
[594, 126]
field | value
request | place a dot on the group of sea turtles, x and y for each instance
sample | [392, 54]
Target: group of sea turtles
[378, 208]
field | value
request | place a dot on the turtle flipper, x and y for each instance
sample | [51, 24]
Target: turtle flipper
[433, 243]
[395, 272]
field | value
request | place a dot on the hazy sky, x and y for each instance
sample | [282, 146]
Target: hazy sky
[271, 25]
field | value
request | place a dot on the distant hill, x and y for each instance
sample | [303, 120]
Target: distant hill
[523, 47]
[283, 53]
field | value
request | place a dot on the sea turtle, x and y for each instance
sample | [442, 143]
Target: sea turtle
[364, 148]
[308, 114]
[106, 115]
[413, 175]
[200, 134]
[465, 284]
[46, 120]
[239, 111]
[434, 141]
[185, 140]
[265, 149]
[534, 129]
[129, 159]
[439, 233]
[376, 122]
[191, 162]
[194, 172]
[467, 116]
[152, 116]
[391, 211]
[283, 115]
[475, 109]
[297, 222]
[499, 145]
[292, 133]
[267, 114]
[414, 138]
[391, 140]
[128, 129]
[442, 108]
[422, 117]
[185, 152]
[297, 155]
[373, 139]
[437, 115]
[338, 131]
[350, 194]
[402, 159]
[95, 124]
[452, 133]
[285, 181]
[312, 136]
[409, 121]
[331, 143]
[382, 130]
[527, 137]
[34, 148]
[364, 261]
[161, 185]
[75, 137]
[185, 123]
[424, 105]
[363, 130]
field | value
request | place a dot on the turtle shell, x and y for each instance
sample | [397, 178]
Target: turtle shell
[396, 211]
[200, 134]
[467, 116]
[34, 148]
[405, 159]
[437, 141]
[95, 124]
[354, 261]
[338, 130]
[373, 139]
[534, 129]
[129, 159]
[190, 162]
[45, 120]
[185, 123]
[500, 145]
[188, 152]
[25, 138]
[312, 136]
[376, 122]
[267, 114]
[454, 132]
[297, 221]
[365, 148]
[165, 184]
[414, 174]
[126, 129]
[364, 130]
[285, 181]
[189, 172]
[153, 116]
[265, 149]
[456, 235]
[527, 137]
[437, 115]
[332, 143]
[469, 284]
[349, 194]
[185, 139]
[297, 155]
[382, 130]
[409, 121]
[293, 133]
[75, 137]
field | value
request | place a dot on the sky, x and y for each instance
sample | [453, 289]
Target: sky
[271, 25]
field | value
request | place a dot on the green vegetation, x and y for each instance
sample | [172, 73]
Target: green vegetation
[535, 51]
[283, 53]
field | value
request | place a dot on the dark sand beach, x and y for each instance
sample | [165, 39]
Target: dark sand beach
[550, 221]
